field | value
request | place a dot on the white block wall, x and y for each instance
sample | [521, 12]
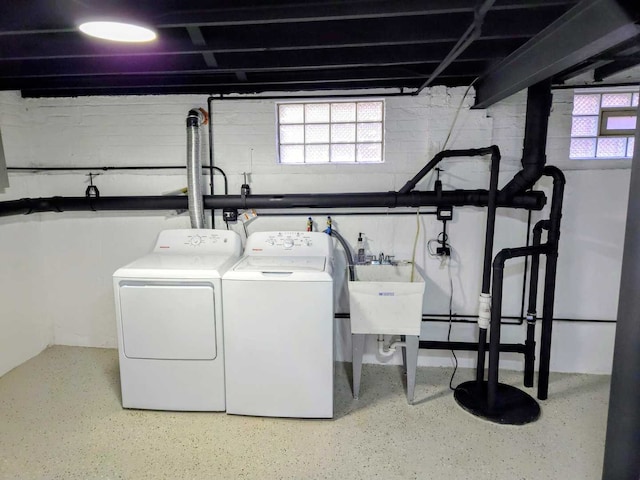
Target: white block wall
[67, 259]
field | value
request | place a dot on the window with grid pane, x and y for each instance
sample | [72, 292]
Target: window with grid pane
[331, 132]
[603, 124]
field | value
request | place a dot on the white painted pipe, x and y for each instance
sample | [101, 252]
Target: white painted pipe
[388, 351]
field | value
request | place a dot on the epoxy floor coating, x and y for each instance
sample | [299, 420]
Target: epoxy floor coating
[61, 418]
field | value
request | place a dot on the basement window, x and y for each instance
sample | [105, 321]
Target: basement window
[331, 132]
[603, 124]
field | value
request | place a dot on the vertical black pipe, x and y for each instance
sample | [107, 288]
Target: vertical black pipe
[539, 99]
[488, 253]
[622, 448]
[553, 238]
[530, 342]
[494, 340]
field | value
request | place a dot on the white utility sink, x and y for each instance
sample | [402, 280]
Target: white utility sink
[384, 300]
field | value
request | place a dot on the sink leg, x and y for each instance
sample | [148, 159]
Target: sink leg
[404, 355]
[411, 352]
[357, 343]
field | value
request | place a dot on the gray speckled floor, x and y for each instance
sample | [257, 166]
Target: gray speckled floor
[60, 417]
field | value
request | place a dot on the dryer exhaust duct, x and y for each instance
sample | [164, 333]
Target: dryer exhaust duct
[194, 169]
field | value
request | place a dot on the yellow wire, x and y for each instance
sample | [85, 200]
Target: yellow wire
[415, 245]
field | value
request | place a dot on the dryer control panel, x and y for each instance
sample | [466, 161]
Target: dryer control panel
[200, 241]
[289, 243]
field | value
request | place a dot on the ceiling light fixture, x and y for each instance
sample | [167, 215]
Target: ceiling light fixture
[118, 32]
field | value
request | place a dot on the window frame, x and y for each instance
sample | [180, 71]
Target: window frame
[330, 123]
[608, 112]
[602, 132]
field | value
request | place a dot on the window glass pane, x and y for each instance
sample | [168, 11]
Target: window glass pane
[370, 132]
[317, 153]
[630, 143]
[586, 104]
[292, 153]
[582, 148]
[369, 111]
[343, 132]
[369, 152]
[612, 147]
[344, 152]
[343, 112]
[634, 101]
[316, 133]
[584, 127]
[291, 113]
[316, 113]
[621, 123]
[616, 99]
[292, 134]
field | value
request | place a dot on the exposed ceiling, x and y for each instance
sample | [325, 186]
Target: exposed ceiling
[247, 46]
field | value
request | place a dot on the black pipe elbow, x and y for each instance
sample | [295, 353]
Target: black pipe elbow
[501, 258]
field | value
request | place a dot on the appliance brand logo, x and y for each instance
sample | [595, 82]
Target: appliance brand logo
[386, 294]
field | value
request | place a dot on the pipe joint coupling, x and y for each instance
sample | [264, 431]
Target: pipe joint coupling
[484, 310]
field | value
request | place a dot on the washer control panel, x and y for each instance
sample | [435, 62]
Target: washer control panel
[202, 241]
[289, 243]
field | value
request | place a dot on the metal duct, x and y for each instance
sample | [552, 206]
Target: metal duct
[194, 169]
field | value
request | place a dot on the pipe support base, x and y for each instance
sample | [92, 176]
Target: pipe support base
[513, 406]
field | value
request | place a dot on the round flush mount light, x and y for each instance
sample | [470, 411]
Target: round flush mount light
[118, 31]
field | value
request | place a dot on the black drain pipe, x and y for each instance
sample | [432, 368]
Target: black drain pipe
[438, 157]
[495, 401]
[539, 99]
[530, 342]
[553, 238]
[485, 296]
[477, 198]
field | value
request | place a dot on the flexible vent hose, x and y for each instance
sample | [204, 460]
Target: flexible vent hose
[194, 170]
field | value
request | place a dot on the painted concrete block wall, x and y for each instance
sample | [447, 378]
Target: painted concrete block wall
[83, 249]
[24, 328]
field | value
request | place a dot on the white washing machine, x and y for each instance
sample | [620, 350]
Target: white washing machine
[278, 307]
[169, 318]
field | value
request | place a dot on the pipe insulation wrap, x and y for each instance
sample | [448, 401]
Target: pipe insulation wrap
[194, 169]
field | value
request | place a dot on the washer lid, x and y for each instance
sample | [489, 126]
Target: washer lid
[281, 264]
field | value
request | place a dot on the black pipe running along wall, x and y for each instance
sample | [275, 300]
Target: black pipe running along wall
[529, 200]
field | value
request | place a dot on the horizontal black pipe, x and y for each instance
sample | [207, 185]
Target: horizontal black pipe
[469, 152]
[205, 168]
[468, 346]
[529, 200]
[338, 214]
[460, 318]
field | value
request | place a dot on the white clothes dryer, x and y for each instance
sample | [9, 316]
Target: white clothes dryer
[169, 321]
[278, 308]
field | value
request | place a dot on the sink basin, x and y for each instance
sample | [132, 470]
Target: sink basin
[384, 300]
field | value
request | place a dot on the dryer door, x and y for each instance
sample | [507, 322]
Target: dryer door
[168, 321]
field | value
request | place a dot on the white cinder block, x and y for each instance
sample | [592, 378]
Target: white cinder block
[71, 256]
